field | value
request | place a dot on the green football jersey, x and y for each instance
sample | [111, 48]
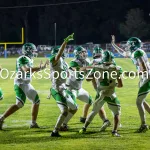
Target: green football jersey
[106, 76]
[23, 77]
[139, 53]
[58, 72]
[75, 77]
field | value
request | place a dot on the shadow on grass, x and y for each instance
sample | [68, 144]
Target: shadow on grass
[21, 135]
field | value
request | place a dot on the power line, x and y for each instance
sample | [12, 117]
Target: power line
[44, 5]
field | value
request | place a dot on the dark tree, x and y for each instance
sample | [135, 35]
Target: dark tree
[135, 25]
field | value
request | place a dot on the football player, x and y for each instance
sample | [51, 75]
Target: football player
[97, 58]
[22, 85]
[64, 98]
[106, 90]
[140, 59]
[75, 80]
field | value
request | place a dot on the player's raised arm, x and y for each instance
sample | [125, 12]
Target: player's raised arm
[61, 50]
[117, 48]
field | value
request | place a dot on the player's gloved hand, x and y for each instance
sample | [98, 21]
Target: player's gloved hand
[69, 38]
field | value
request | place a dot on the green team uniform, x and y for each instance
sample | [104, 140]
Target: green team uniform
[58, 75]
[22, 81]
[140, 59]
[75, 80]
[144, 86]
[106, 87]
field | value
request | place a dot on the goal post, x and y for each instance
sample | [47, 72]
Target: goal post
[12, 43]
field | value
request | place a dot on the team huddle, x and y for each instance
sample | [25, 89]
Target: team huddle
[66, 91]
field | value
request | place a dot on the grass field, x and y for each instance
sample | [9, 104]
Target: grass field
[17, 135]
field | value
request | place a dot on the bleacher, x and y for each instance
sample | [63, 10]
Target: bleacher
[45, 50]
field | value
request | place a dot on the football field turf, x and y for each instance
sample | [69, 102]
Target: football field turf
[17, 135]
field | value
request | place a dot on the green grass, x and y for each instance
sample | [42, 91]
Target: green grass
[17, 135]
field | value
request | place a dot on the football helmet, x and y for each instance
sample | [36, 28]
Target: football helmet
[80, 53]
[133, 44]
[107, 57]
[28, 49]
[55, 50]
[97, 52]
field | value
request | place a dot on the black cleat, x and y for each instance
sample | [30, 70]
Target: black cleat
[116, 134]
[1, 124]
[82, 119]
[55, 134]
[64, 127]
[143, 128]
[34, 126]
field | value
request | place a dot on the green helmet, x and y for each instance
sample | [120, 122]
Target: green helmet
[78, 52]
[133, 44]
[28, 49]
[55, 50]
[97, 52]
[108, 57]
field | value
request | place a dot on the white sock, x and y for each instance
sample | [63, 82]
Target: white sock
[59, 122]
[69, 116]
[33, 122]
[2, 118]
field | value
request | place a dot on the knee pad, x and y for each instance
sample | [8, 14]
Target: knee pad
[19, 104]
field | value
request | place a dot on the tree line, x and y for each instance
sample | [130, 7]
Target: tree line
[91, 22]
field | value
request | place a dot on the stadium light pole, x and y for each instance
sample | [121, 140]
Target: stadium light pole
[55, 30]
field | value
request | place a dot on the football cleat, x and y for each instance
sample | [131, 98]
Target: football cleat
[115, 134]
[82, 119]
[105, 125]
[34, 126]
[143, 128]
[55, 134]
[1, 124]
[82, 131]
[64, 127]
